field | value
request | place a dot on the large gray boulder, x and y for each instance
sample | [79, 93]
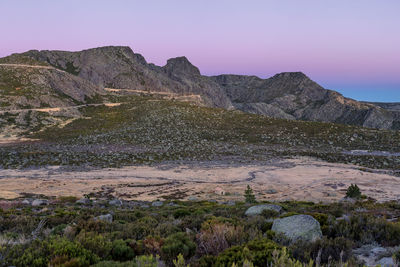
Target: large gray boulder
[40, 202]
[157, 203]
[297, 227]
[257, 210]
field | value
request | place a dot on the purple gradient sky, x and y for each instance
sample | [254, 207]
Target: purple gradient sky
[349, 46]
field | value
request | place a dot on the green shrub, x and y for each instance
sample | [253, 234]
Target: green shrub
[268, 214]
[249, 195]
[178, 243]
[181, 213]
[96, 243]
[366, 229]
[257, 251]
[121, 251]
[353, 191]
[58, 251]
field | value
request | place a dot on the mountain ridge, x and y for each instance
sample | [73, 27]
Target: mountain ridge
[288, 95]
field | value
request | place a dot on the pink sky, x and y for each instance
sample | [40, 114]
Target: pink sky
[350, 46]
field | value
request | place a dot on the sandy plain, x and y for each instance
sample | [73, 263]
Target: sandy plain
[286, 179]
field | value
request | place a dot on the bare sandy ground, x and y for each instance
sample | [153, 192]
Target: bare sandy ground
[292, 179]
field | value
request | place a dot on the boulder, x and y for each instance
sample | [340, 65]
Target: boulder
[296, 227]
[157, 203]
[386, 262]
[271, 191]
[84, 201]
[115, 202]
[257, 210]
[25, 202]
[192, 198]
[104, 218]
[40, 202]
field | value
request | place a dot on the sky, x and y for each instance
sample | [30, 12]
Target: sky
[349, 46]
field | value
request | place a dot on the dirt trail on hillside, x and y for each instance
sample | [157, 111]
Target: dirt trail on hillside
[31, 66]
[293, 179]
[56, 109]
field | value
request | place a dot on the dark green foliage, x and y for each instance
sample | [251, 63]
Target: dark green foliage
[397, 256]
[257, 251]
[181, 213]
[55, 251]
[366, 229]
[121, 251]
[176, 244]
[96, 243]
[353, 191]
[268, 214]
[249, 195]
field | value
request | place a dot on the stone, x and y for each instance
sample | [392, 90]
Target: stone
[115, 202]
[104, 218]
[298, 227]
[257, 210]
[271, 191]
[157, 204]
[192, 198]
[26, 202]
[40, 202]
[386, 262]
[84, 201]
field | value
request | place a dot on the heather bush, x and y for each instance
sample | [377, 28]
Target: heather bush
[217, 237]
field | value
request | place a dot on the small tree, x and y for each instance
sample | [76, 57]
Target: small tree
[249, 195]
[353, 191]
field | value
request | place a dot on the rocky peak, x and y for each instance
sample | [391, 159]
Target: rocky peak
[181, 65]
[291, 76]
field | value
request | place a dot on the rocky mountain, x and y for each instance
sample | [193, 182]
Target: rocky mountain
[295, 96]
[121, 68]
[286, 95]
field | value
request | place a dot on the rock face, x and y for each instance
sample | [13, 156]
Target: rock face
[257, 210]
[286, 95]
[295, 96]
[37, 87]
[297, 227]
[121, 68]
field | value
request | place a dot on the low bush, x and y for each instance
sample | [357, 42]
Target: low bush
[353, 191]
[121, 251]
[259, 252]
[178, 243]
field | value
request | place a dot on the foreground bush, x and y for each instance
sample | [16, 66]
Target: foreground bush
[259, 252]
[176, 244]
[54, 252]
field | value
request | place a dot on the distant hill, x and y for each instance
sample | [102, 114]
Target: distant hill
[285, 95]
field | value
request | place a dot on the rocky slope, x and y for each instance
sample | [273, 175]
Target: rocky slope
[295, 96]
[34, 95]
[120, 67]
[285, 95]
